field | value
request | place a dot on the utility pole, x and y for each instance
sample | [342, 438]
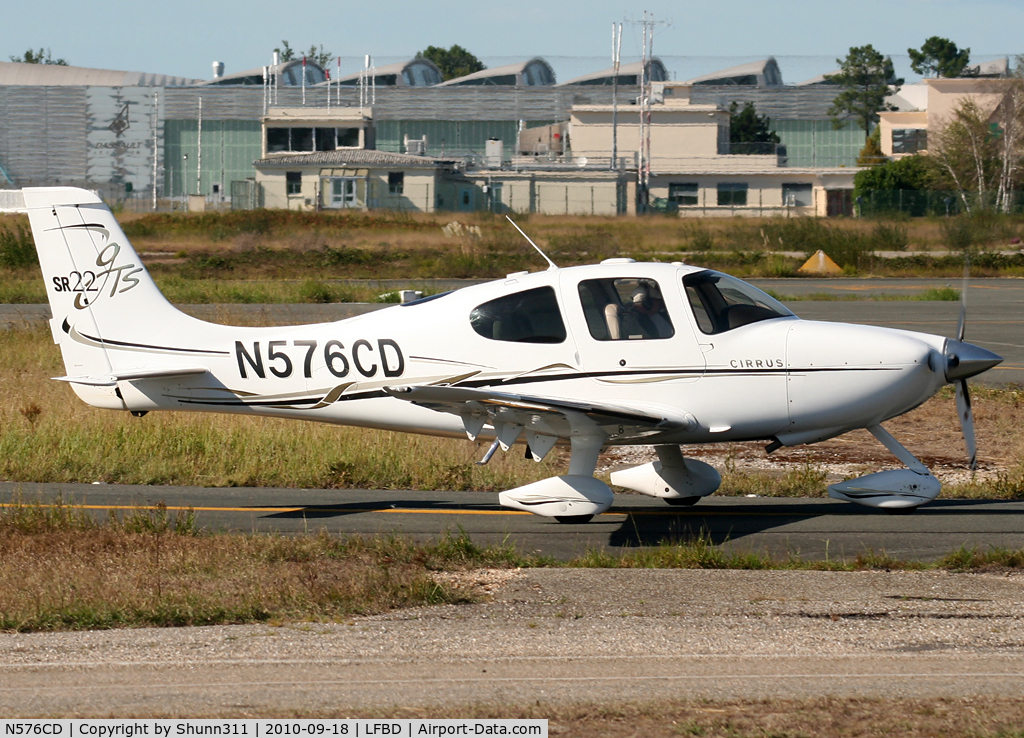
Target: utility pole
[616, 48]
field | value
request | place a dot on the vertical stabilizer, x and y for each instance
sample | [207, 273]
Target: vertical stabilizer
[101, 296]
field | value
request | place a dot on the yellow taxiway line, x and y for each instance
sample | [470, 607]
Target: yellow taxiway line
[347, 510]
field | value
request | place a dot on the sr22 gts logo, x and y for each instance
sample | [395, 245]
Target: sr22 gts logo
[88, 285]
[367, 360]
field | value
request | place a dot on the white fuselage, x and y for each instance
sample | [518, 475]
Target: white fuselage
[785, 378]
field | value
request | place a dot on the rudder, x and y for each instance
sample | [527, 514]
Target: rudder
[95, 281]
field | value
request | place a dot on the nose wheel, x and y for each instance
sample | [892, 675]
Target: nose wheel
[682, 501]
[573, 519]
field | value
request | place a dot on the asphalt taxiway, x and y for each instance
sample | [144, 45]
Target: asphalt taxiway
[806, 528]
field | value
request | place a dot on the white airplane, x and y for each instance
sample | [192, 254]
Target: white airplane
[593, 356]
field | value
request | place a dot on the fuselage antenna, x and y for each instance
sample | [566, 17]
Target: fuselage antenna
[552, 264]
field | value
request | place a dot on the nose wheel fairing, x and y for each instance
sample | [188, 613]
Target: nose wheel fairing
[895, 488]
[892, 489]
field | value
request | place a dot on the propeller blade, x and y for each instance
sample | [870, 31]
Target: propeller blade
[963, 409]
[962, 325]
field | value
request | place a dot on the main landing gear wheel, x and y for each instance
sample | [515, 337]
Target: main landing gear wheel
[570, 519]
[900, 510]
[682, 501]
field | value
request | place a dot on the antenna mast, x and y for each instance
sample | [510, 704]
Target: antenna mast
[552, 265]
[643, 170]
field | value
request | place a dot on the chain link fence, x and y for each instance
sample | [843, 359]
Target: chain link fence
[918, 203]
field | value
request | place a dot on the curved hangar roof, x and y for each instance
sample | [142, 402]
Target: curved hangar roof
[764, 73]
[58, 75]
[532, 73]
[289, 74]
[413, 73]
[628, 75]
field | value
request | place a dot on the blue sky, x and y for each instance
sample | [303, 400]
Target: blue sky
[184, 37]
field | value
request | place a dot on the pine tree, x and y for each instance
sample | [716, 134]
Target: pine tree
[939, 57]
[746, 126]
[866, 78]
[871, 155]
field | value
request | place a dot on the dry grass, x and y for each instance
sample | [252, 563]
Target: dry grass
[854, 717]
[266, 245]
[60, 570]
[813, 718]
[48, 434]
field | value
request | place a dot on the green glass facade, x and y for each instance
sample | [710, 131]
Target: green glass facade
[815, 143]
[460, 137]
[229, 149]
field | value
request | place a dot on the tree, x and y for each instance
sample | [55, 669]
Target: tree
[966, 152]
[453, 62]
[38, 57]
[908, 173]
[747, 127]
[1007, 126]
[866, 78]
[320, 57]
[872, 154]
[285, 53]
[939, 57]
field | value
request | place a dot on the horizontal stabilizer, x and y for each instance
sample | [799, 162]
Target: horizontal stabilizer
[111, 379]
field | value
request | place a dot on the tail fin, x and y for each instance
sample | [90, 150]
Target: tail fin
[98, 289]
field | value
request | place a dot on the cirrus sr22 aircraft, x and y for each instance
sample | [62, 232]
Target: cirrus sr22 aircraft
[593, 356]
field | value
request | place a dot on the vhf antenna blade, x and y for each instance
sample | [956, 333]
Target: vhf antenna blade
[552, 264]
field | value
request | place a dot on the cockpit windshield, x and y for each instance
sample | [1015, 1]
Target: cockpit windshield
[721, 303]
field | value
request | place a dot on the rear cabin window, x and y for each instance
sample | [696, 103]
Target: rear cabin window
[721, 303]
[531, 316]
[625, 309]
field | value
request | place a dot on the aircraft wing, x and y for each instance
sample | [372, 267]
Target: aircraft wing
[544, 419]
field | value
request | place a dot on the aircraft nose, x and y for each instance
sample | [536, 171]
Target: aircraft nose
[965, 360]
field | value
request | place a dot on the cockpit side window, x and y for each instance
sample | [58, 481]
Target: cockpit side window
[531, 316]
[721, 303]
[625, 309]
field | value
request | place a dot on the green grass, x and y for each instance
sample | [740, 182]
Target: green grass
[932, 294]
[48, 434]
